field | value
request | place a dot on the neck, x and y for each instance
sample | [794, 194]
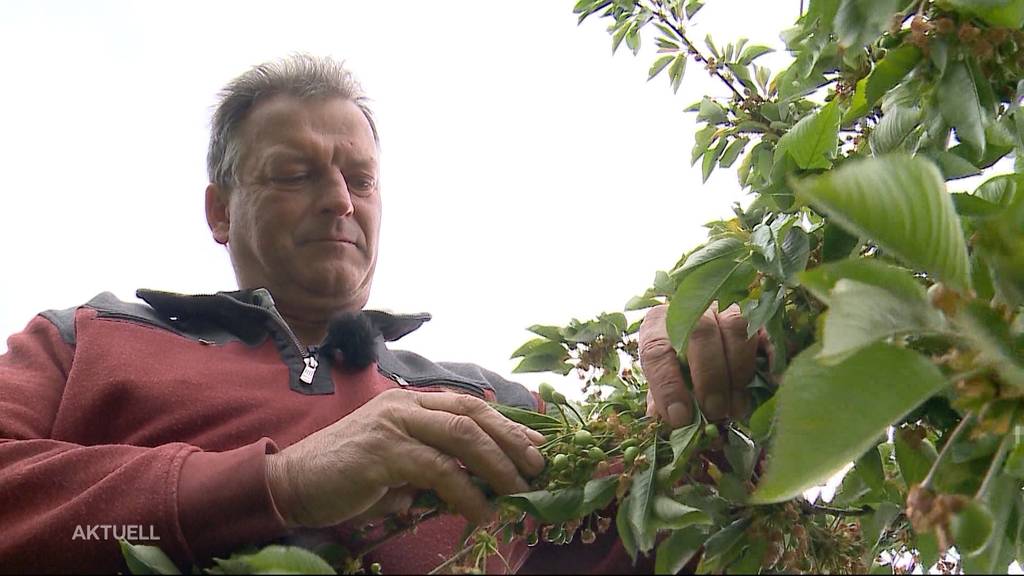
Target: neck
[308, 332]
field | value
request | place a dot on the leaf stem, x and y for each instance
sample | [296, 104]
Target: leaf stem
[819, 509]
[947, 449]
[697, 55]
[377, 543]
[997, 460]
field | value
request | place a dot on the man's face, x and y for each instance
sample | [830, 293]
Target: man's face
[304, 219]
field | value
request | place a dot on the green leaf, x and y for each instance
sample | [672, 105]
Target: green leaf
[860, 22]
[719, 547]
[998, 550]
[733, 151]
[676, 72]
[952, 166]
[671, 514]
[543, 363]
[874, 523]
[918, 224]
[893, 129]
[641, 503]
[874, 388]
[711, 112]
[696, 292]
[762, 420]
[143, 559]
[821, 280]
[711, 158]
[812, 142]
[862, 314]
[640, 302]
[741, 453]
[598, 494]
[889, 72]
[1005, 13]
[915, 456]
[837, 244]
[553, 333]
[529, 418]
[1000, 190]
[551, 506]
[759, 312]
[729, 247]
[958, 101]
[753, 52]
[537, 345]
[280, 560]
[659, 65]
[676, 551]
[683, 442]
[991, 337]
[796, 250]
[701, 140]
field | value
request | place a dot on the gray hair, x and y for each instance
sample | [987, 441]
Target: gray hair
[299, 75]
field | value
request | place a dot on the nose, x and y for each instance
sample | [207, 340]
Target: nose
[335, 197]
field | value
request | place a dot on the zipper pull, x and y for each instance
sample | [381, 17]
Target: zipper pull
[310, 370]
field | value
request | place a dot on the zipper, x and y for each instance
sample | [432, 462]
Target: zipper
[474, 390]
[308, 356]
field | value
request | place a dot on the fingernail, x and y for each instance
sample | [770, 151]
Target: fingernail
[678, 415]
[534, 436]
[716, 406]
[535, 459]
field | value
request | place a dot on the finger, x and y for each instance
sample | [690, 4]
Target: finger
[518, 442]
[429, 469]
[764, 342]
[396, 501]
[661, 367]
[708, 366]
[741, 357]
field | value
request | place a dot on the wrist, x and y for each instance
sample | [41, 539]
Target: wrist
[280, 488]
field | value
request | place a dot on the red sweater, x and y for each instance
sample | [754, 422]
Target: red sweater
[159, 418]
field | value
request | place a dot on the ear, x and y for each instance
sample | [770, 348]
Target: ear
[217, 214]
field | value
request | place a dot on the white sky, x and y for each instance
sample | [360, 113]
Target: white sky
[528, 176]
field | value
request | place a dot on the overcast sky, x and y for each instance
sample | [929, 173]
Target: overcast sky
[528, 176]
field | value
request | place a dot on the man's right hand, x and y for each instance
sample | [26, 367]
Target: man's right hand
[373, 461]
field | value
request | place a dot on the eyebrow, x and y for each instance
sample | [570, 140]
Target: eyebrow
[296, 152]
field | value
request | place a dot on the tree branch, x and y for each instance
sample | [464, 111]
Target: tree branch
[946, 450]
[697, 55]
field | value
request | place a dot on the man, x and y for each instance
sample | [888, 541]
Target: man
[204, 423]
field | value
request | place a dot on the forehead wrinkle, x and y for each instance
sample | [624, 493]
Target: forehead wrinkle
[311, 130]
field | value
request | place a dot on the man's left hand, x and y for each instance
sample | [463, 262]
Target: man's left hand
[722, 361]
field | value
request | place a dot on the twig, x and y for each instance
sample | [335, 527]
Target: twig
[838, 511]
[458, 556]
[947, 448]
[697, 55]
[389, 536]
[465, 552]
[997, 461]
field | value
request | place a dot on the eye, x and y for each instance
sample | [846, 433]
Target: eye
[290, 179]
[362, 185]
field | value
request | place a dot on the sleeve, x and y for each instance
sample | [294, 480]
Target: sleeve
[63, 505]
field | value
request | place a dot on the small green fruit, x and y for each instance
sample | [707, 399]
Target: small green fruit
[546, 391]
[971, 527]
[596, 454]
[583, 438]
[630, 455]
[711, 431]
[559, 461]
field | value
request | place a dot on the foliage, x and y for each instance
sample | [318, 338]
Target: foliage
[893, 309]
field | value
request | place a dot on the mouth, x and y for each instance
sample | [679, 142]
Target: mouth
[331, 241]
